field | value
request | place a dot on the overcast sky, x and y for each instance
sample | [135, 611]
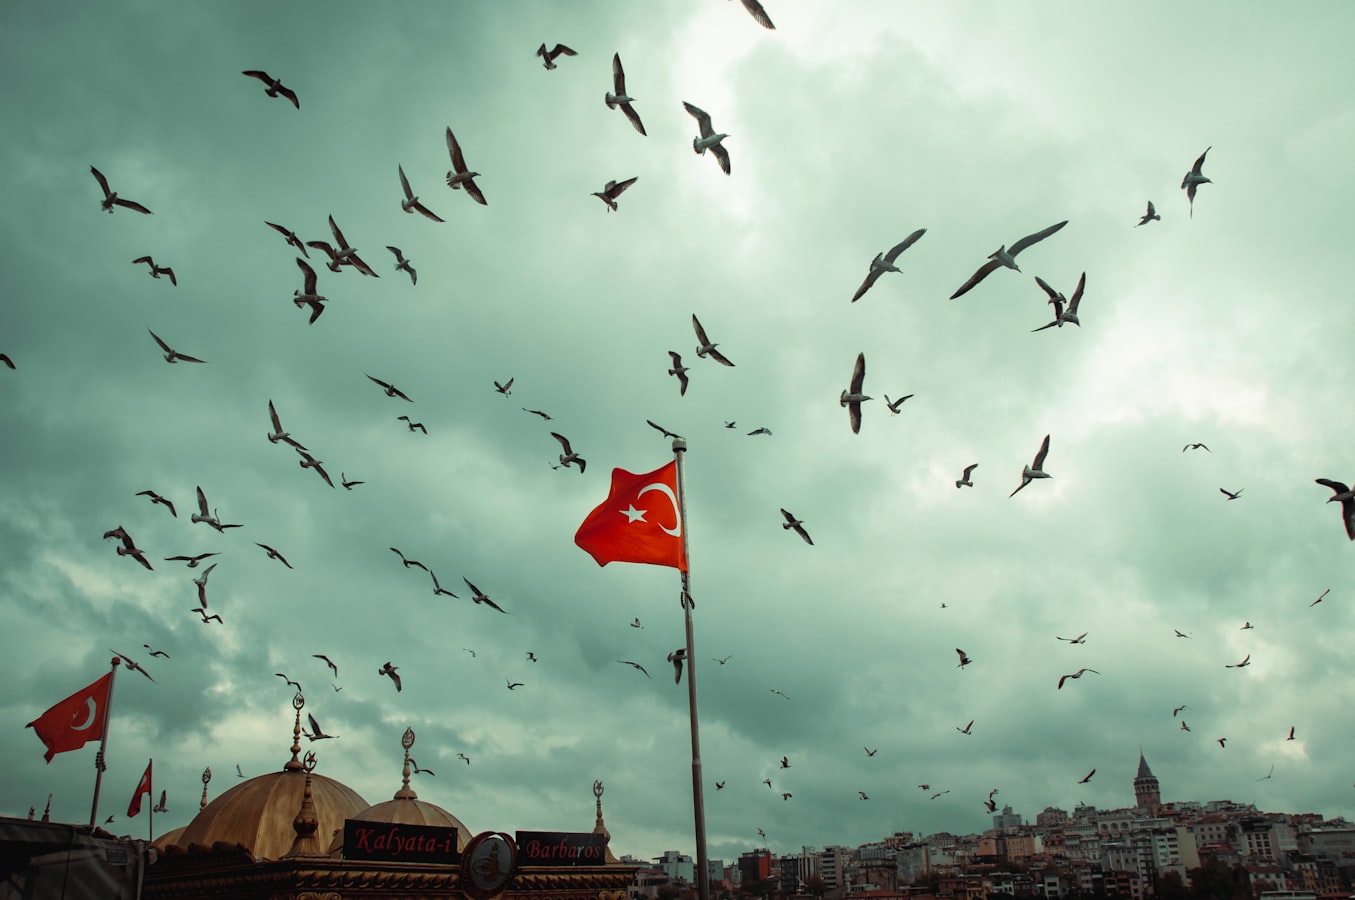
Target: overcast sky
[850, 126]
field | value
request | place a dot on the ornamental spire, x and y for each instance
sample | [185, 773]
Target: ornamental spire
[406, 792]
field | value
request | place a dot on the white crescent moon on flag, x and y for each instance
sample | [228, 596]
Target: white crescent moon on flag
[89, 716]
[675, 531]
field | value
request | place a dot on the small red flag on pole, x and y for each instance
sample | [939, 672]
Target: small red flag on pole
[639, 522]
[143, 787]
[75, 721]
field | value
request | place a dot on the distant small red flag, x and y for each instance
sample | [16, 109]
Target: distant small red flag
[639, 522]
[143, 787]
[76, 720]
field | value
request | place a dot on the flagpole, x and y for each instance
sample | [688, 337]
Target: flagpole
[698, 801]
[150, 797]
[103, 742]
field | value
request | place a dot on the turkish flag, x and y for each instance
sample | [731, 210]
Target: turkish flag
[76, 720]
[144, 787]
[639, 522]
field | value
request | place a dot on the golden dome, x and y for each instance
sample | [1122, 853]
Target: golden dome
[169, 838]
[258, 813]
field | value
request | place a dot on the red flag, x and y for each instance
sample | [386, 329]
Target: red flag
[76, 720]
[639, 522]
[144, 787]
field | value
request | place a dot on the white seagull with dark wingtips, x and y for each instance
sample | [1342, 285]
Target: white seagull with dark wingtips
[1003, 256]
[402, 264]
[111, 199]
[411, 203]
[1065, 309]
[172, 355]
[308, 295]
[617, 96]
[548, 56]
[704, 346]
[852, 398]
[1346, 497]
[964, 479]
[709, 139]
[884, 262]
[1193, 179]
[613, 189]
[569, 456]
[1149, 216]
[1036, 469]
[461, 176]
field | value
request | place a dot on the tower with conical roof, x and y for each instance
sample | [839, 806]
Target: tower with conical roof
[1146, 795]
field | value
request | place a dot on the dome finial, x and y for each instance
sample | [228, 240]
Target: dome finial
[406, 792]
[294, 764]
[307, 822]
[206, 777]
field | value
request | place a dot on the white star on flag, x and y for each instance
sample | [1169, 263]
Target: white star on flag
[632, 514]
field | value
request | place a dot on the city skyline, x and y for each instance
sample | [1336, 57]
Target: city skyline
[1090, 605]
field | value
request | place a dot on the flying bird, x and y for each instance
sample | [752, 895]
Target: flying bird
[786, 795]
[636, 623]
[1346, 497]
[797, 524]
[128, 547]
[1177, 710]
[636, 665]
[413, 426]
[390, 389]
[461, 176]
[548, 57]
[512, 685]
[1268, 774]
[402, 264]
[885, 262]
[408, 562]
[785, 762]
[1232, 495]
[719, 785]
[438, 589]
[664, 431]
[172, 355]
[506, 388]
[464, 757]
[613, 189]
[760, 430]
[531, 657]
[768, 782]
[201, 582]
[481, 596]
[1246, 626]
[1193, 179]
[316, 732]
[273, 554]
[156, 498]
[760, 16]
[852, 398]
[536, 412]
[329, 662]
[705, 347]
[895, 404]
[709, 139]
[617, 96]
[680, 371]
[1036, 469]
[162, 806]
[348, 485]
[111, 199]
[165, 655]
[1087, 777]
[292, 239]
[411, 203]
[964, 479]
[779, 694]
[1077, 674]
[1195, 447]
[290, 682]
[1184, 726]
[1291, 733]
[870, 752]
[4, 358]
[1180, 634]
[722, 661]
[1246, 661]
[133, 665]
[1320, 597]
[206, 618]
[1005, 257]
[310, 462]
[1221, 742]
[940, 793]
[965, 730]
[392, 671]
[278, 434]
[157, 271]
[1065, 309]
[569, 456]
[1080, 639]
[309, 294]
[677, 658]
[1149, 216]
[990, 805]
[275, 86]
[964, 658]
[343, 253]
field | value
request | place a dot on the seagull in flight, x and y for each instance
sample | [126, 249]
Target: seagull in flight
[680, 371]
[895, 404]
[157, 271]
[1346, 497]
[1036, 469]
[413, 426]
[636, 665]
[438, 589]
[537, 412]
[512, 685]
[1077, 674]
[278, 434]
[408, 562]
[294, 684]
[172, 355]
[133, 665]
[1268, 774]
[964, 658]
[885, 262]
[852, 398]
[1193, 179]
[1177, 710]
[275, 86]
[548, 57]
[328, 662]
[1080, 639]
[1005, 257]
[569, 456]
[273, 554]
[506, 388]
[309, 293]
[761, 429]
[1088, 777]
[1196, 447]
[201, 582]
[617, 96]
[613, 189]
[343, 253]
[1065, 310]
[161, 653]
[760, 16]
[706, 348]
[1149, 216]
[1180, 634]
[1320, 597]
[677, 658]
[798, 525]
[390, 389]
[127, 547]
[779, 694]
[292, 239]
[964, 479]
[156, 498]
[461, 176]
[659, 428]
[310, 462]
[411, 203]
[710, 139]
[481, 596]
[722, 661]
[391, 670]
[402, 264]
[316, 732]
[1232, 495]
[965, 730]
[111, 199]
[1246, 661]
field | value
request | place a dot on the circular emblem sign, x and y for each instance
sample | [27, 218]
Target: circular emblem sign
[487, 864]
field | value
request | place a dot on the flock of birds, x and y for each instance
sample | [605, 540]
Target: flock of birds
[340, 256]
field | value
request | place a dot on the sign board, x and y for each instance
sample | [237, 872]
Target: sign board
[561, 848]
[391, 842]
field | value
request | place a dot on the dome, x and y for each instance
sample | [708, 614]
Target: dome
[258, 813]
[169, 838]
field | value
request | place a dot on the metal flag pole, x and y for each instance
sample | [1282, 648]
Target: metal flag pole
[150, 798]
[698, 800]
[103, 742]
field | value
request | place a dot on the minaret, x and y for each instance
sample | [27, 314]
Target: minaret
[1146, 795]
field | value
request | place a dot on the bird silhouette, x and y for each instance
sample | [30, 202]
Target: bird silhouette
[1087, 777]
[391, 670]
